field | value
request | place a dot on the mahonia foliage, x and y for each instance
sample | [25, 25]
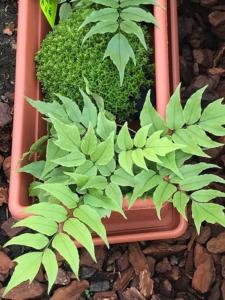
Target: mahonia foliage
[120, 17]
[63, 60]
[91, 161]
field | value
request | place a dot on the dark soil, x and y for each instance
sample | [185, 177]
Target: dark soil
[189, 268]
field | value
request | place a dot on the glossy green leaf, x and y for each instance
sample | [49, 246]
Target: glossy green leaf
[209, 212]
[163, 193]
[144, 182]
[102, 28]
[174, 111]
[105, 14]
[198, 182]
[48, 210]
[34, 240]
[212, 118]
[89, 142]
[150, 116]
[104, 152]
[122, 178]
[182, 136]
[138, 14]
[72, 109]
[206, 195]
[68, 135]
[60, 192]
[50, 264]
[73, 159]
[124, 140]
[180, 201]
[126, 161]
[131, 27]
[110, 3]
[89, 113]
[67, 249]
[141, 136]
[26, 269]
[120, 51]
[81, 233]
[90, 217]
[96, 182]
[39, 224]
[192, 109]
[199, 135]
[35, 168]
[138, 158]
[105, 126]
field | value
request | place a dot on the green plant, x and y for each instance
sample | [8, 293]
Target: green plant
[67, 6]
[63, 60]
[91, 162]
[120, 17]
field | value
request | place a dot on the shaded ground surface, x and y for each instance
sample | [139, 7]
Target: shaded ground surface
[191, 267]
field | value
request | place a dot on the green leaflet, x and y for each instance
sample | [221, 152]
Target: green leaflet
[71, 108]
[101, 28]
[89, 113]
[197, 182]
[68, 135]
[169, 162]
[50, 264]
[105, 14]
[105, 126]
[53, 108]
[34, 240]
[124, 140]
[138, 158]
[120, 51]
[174, 111]
[192, 109]
[65, 11]
[125, 3]
[60, 192]
[163, 193]
[104, 152]
[81, 233]
[144, 182]
[122, 178]
[180, 201]
[206, 195]
[138, 15]
[108, 169]
[73, 159]
[199, 135]
[212, 118]
[131, 27]
[96, 182]
[150, 155]
[183, 136]
[150, 116]
[39, 224]
[26, 269]
[141, 136]
[35, 168]
[90, 217]
[113, 191]
[210, 212]
[87, 168]
[36, 147]
[111, 3]
[126, 161]
[67, 249]
[191, 170]
[54, 212]
[79, 179]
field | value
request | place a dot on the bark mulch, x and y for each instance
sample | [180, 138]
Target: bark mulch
[188, 268]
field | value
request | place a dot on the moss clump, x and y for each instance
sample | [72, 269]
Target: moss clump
[63, 60]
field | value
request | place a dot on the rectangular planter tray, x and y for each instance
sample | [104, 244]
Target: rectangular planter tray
[142, 223]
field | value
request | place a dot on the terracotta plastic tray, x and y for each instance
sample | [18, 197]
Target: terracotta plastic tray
[142, 223]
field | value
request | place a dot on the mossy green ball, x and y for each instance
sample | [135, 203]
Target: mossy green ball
[62, 62]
